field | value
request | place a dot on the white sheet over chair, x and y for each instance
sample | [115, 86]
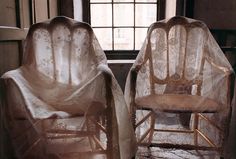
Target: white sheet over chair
[175, 48]
[61, 76]
[178, 51]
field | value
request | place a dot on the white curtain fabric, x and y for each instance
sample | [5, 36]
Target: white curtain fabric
[182, 49]
[62, 77]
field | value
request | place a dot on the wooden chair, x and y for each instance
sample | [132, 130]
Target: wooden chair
[61, 97]
[181, 70]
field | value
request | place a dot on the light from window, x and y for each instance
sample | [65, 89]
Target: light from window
[122, 24]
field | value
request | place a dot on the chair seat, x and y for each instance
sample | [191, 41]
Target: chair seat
[178, 103]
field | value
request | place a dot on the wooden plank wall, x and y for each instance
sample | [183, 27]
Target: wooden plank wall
[9, 52]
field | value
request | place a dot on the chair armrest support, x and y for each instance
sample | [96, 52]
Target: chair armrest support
[107, 73]
[225, 70]
[230, 78]
[133, 78]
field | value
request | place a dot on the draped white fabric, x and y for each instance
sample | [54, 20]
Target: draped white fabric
[62, 77]
[182, 50]
[177, 53]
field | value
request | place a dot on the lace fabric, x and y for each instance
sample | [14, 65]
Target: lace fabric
[180, 56]
[186, 51]
[60, 84]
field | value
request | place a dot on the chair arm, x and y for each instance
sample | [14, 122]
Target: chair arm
[230, 78]
[134, 72]
[223, 69]
[106, 71]
[133, 78]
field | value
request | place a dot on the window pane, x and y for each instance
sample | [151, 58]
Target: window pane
[123, 0]
[146, 0]
[100, 1]
[104, 36]
[123, 38]
[145, 14]
[101, 15]
[140, 35]
[123, 14]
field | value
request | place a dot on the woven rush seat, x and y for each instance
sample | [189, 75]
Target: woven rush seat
[178, 103]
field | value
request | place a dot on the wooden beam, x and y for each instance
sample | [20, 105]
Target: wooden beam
[161, 9]
[86, 11]
[12, 33]
[66, 8]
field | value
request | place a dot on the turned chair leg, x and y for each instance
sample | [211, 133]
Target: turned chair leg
[195, 128]
[152, 127]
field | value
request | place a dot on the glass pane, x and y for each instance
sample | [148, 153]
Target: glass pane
[146, 0]
[123, 14]
[123, 38]
[100, 1]
[101, 15]
[140, 35]
[123, 0]
[104, 36]
[145, 14]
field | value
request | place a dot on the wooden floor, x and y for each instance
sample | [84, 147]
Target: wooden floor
[74, 145]
[160, 153]
[170, 121]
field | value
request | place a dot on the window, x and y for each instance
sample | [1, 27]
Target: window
[121, 25]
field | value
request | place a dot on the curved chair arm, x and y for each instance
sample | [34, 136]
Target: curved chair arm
[223, 69]
[133, 78]
[108, 75]
[229, 75]
[105, 69]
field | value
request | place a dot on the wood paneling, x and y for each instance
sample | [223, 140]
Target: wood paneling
[41, 10]
[12, 33]
[26, 13]
[53, 8]
[9, 56]
[217, 14]
[8, 13]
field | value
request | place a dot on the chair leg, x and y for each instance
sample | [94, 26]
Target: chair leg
[152, 127]
[195, 128]
[90, 128]
[109, 133]
[97, 130]
[133, 117]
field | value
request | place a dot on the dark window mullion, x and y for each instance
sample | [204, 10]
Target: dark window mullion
[48, 9]
[157, 11]
[118, 27]
[112, 25]
[123, 2]
[134, 25]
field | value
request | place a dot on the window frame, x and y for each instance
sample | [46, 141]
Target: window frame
[123, 54]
